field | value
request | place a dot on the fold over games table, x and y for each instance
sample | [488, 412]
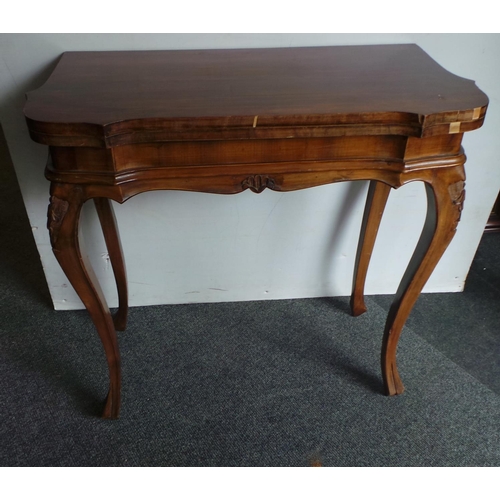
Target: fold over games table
[222, 121]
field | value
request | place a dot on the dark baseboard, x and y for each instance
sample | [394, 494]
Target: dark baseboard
[493, 224]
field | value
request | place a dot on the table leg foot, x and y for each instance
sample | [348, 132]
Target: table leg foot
[378, 192]
[112, 405]
[392, 381]
[358, 305]
[445, 196]
[63, 223]
[120, 320]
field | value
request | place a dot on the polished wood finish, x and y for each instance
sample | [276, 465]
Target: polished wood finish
[63, 216]
[114, 98]
[223, 121]
[378, 193]
[112, 238]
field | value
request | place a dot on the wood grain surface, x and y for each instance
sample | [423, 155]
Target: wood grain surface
[109, 98]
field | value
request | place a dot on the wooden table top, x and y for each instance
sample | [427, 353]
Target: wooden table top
[98, 95]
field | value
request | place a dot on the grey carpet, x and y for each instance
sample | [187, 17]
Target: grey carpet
[275, 383]
[279, 383]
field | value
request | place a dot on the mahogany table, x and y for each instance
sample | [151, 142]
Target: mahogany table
[222, 121]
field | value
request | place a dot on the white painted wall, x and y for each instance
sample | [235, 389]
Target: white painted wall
[192, 247]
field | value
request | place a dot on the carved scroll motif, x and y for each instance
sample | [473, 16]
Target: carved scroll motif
[457, 195]
[55, 215]
[257, 183]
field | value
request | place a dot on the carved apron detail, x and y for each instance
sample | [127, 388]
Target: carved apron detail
[257, 183]
[55, 215]
[457, 195]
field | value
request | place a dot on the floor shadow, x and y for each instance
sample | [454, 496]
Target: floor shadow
[338, 303]
[306, 339]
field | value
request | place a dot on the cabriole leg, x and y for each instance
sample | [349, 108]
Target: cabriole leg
[378, 192]
[445, 197]
[63, 223]
[112, 238]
